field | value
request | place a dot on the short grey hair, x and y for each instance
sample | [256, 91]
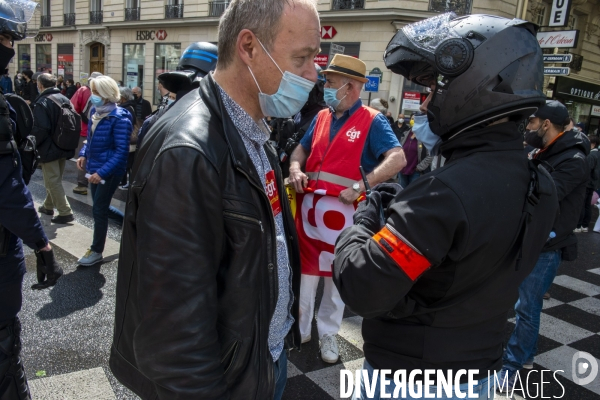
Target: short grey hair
[260, 16]
[126, 93]
[47, 80]
[107, 88]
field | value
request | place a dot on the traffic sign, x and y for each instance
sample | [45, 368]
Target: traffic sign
[373, 84]
[558, 58]
[376, 72]
[557, 71]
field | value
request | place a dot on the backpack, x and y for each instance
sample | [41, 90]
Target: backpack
[68, 127]
[24, 117]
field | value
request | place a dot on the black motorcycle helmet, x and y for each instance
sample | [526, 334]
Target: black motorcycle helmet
[483, 67]
[197, 60]
[19, 18]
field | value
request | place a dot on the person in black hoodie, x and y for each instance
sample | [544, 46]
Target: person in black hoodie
[434, 279]
[29, 89]
[564, 154]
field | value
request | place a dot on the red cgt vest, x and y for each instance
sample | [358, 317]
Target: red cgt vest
[331, 167]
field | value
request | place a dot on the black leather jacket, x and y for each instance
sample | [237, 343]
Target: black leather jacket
[197, 277]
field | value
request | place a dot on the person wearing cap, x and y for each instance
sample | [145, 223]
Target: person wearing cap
[565, 152]
[341, 138]
[81, 104]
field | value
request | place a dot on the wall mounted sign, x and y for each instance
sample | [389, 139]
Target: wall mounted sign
[328, 32]
[563, 39]
[557, 71]
[558, 58]
[559, 16]
[578, 90]
[160, 34]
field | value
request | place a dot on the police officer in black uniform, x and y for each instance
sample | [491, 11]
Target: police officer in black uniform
[18, 219]
[435, 277]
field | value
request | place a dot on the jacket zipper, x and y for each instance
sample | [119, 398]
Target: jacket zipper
[245, 218]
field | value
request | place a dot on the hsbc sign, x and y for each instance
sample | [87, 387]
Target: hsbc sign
[328, 32]
[160, 34]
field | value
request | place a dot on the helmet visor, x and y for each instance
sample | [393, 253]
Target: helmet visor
[429, 33]
[22, 18]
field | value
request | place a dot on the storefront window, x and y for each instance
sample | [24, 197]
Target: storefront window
[133, 65]
[24, 54]
[166, 58]
[43, 58]
[65, 60]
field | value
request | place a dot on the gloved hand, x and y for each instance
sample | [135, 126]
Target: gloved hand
[48, 270]
[369, 213]
[388, 192]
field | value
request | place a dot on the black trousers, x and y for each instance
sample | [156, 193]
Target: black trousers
[130, 160]
[586, 211]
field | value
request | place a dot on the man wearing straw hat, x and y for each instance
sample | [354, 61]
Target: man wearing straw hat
[340, 139]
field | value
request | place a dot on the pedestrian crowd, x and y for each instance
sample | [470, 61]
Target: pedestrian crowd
[295, 182]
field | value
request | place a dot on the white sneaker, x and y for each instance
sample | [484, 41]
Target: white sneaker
[583, 230]
[306, 339]
[577, 230]
[90, 258]
[329, 349]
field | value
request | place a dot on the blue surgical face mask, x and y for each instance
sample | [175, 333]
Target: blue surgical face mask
[330, 97]
[290, 97]
[170, 101]
[423, 132]
[96, 100]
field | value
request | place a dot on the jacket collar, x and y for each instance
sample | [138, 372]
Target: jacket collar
[209, 92]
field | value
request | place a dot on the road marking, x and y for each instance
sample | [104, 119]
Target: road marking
[577, 285]
[89, 384]
[74, 238]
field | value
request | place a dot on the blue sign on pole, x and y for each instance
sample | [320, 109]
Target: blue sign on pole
[373, 84]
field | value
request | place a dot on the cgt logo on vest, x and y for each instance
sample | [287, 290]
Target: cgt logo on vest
[352, 134]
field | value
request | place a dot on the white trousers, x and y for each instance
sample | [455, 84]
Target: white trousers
[331, 311]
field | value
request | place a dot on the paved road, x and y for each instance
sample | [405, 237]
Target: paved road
[67, 330]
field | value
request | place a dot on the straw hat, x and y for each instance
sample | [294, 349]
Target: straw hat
[348, 66]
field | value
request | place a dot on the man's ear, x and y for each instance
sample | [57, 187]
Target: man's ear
[246, 46]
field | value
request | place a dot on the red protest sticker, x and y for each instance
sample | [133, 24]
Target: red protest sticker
[272, 192]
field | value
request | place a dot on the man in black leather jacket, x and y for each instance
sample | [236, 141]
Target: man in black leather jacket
[201, 273]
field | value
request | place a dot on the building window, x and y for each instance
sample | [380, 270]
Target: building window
[348, 4]
[96, 12]
[539, 15]
[174, 9]
[45, 22]
[166, 58]
[69, 12]
[24, 54]
[43, 58]
[65, 60]
[217, 8]
[460, 7]
[134, 59]
[132, 10]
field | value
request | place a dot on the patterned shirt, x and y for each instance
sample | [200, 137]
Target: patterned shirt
[254, 139]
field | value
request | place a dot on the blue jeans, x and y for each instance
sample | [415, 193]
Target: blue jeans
[481, 389]
[522, 345]
[405, 180]
[102, 195]
[280, 375]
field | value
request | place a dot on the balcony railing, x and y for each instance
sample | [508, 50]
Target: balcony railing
[95, 17]
[460, 7]
[132, 14]
[217, 8]
[174, 11]
[69, 19]
[45, 21]
[348, 4]
[577, 63]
